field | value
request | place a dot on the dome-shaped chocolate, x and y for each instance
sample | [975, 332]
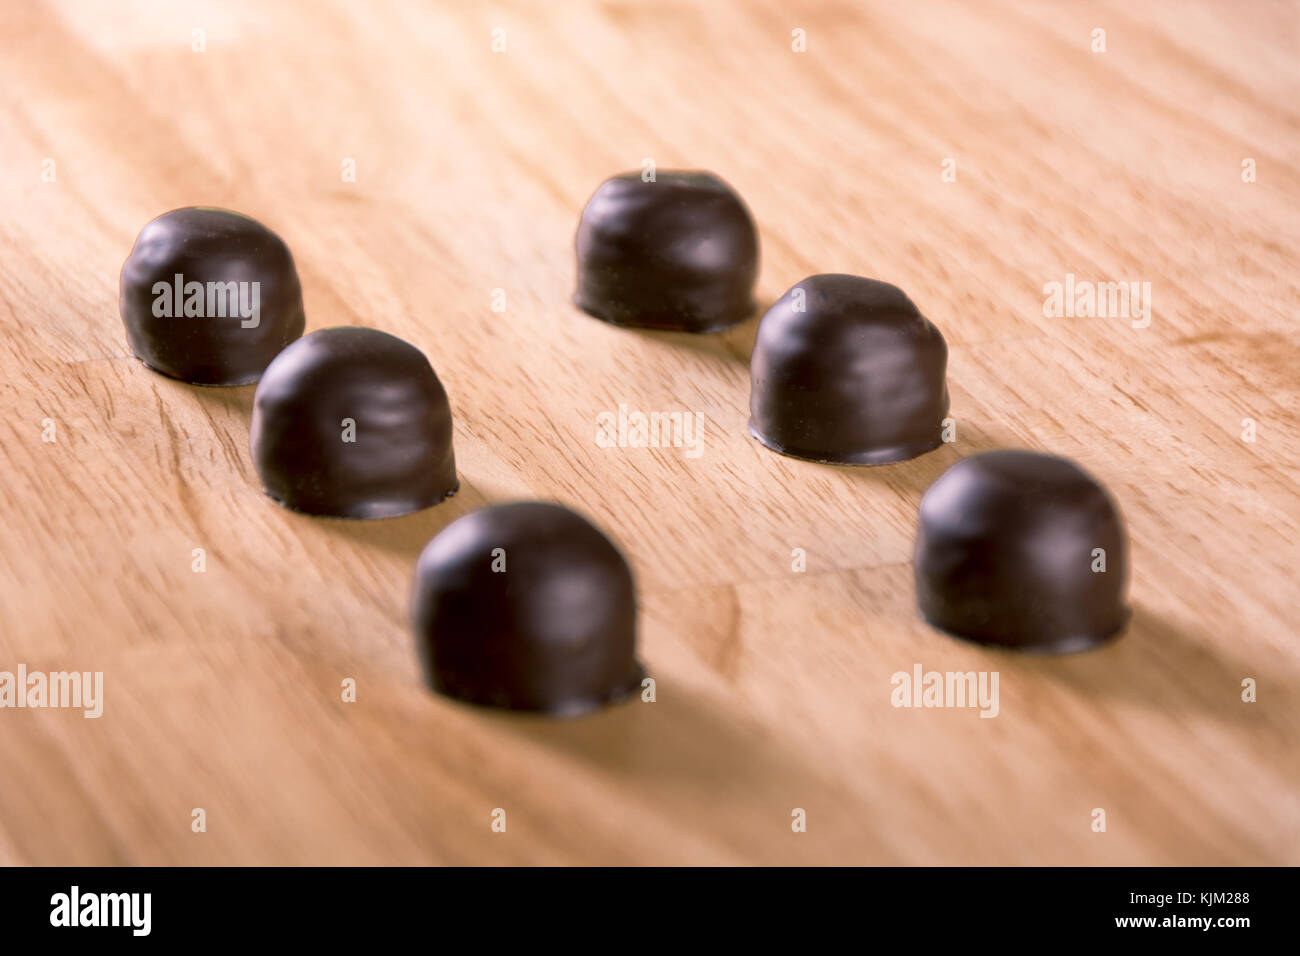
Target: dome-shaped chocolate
[526, 606]
[353, 423]
[209, 296]
[846, 370]
[679, 253]
[1022, 550]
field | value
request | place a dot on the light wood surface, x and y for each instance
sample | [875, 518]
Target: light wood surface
[222, 688]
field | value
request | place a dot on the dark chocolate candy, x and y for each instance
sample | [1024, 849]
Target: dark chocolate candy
[209, 296]
[1010, 551]
[353, 423]
[677, 254]
[846, 370]
[526, 606]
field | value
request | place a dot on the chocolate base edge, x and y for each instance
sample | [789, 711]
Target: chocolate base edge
[570, 709]
[239, 383]
[876, 456]
[1061, 647]
[699, 325]
[370, 512]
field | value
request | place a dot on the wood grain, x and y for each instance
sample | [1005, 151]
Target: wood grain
[222, 688]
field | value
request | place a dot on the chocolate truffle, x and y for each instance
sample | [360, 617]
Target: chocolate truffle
[526, 606]
[847, 371]
[353, 423]
[677, 254]
[209, 296]
[1022, 550]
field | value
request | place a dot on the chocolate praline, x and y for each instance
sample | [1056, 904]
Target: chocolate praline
[353, 423]
[1022, 550]
[209, 296]
[526, 606]
[846, 370]
[679, 253]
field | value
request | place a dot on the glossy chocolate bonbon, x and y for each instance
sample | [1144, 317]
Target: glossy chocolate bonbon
[846, 370]
[353, 423]
[526, 606]
[210, 296]
[1022, 550]
[679, 253]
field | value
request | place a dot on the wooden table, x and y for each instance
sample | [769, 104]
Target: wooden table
[222, 687]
